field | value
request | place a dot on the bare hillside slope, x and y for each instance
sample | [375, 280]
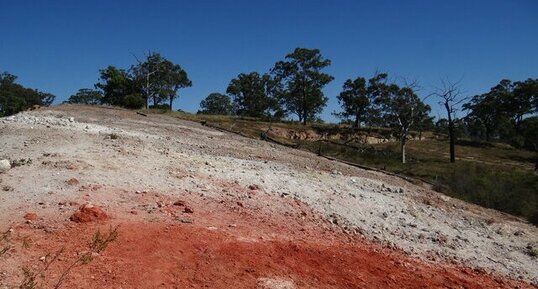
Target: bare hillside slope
[198, 207]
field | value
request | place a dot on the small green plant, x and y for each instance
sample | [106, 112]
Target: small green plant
[97, 245]
[4, 250]
[26, 242]
[29, 279]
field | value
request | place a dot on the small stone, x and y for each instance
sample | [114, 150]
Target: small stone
[253, 187]
[5, 165]
[7, 188]
[71, 119]
[188, 210]
[180, 203]
[72, 181]
[30, 216]
[186, 220]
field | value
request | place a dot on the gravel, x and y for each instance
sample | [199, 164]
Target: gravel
[169, 155]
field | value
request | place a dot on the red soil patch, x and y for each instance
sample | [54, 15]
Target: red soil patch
[89, 213]
[157, 255]
[30, 216]
[232, 246]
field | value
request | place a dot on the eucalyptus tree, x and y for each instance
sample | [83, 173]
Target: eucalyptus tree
[401, 109]
[358, 96]
[254, 95]
[302, 81]
[216, 103]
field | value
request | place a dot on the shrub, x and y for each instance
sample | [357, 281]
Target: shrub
[160, 106]
[133, 101]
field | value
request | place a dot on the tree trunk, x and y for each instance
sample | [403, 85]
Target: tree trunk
[402, 147]
[451, 134]
[357, 122]
[171, 100]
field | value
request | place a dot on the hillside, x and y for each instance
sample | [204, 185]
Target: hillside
[197, 207]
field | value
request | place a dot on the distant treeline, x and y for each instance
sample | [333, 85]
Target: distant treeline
[294, 86]
[15, 97]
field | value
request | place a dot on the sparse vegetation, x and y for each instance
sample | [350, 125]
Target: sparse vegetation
[492, 175]
[97, 245]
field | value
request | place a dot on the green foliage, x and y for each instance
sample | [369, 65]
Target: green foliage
[86, 96]
[116, 84]
[160, 106]
[216, 103]
[100, 242]
[159, 78]
[529, 133]
[301, 82]
[499, 113]
[133, 101]
[509, 191]
[156, 78]
[15, 97]
[357, 99]
[254, 95]
[401, 110]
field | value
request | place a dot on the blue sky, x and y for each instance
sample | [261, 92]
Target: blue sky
[59, 46]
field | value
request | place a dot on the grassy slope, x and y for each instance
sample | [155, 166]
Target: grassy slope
[494, 176]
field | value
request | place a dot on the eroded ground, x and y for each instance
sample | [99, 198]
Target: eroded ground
[197, 208]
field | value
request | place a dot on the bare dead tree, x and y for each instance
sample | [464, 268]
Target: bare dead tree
[147, 72]
[449, 95]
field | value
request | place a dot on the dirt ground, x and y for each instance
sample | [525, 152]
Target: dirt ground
[198, 208]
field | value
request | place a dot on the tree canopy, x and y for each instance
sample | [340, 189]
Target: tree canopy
[357, 98]
[159, 79]
[401, 110]
[86, 96]
[216, 103]
[302, 82]
[254, 95]
[499, 113]
[15, 97]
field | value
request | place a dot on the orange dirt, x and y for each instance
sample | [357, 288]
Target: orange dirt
[30, 216]
[89, 213]
[232, 246]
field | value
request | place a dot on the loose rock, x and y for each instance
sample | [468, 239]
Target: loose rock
[30, 216]
[5, 165]
[89, 213]
[72, 181]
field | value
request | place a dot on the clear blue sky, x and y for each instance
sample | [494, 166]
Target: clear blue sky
[59, 46]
